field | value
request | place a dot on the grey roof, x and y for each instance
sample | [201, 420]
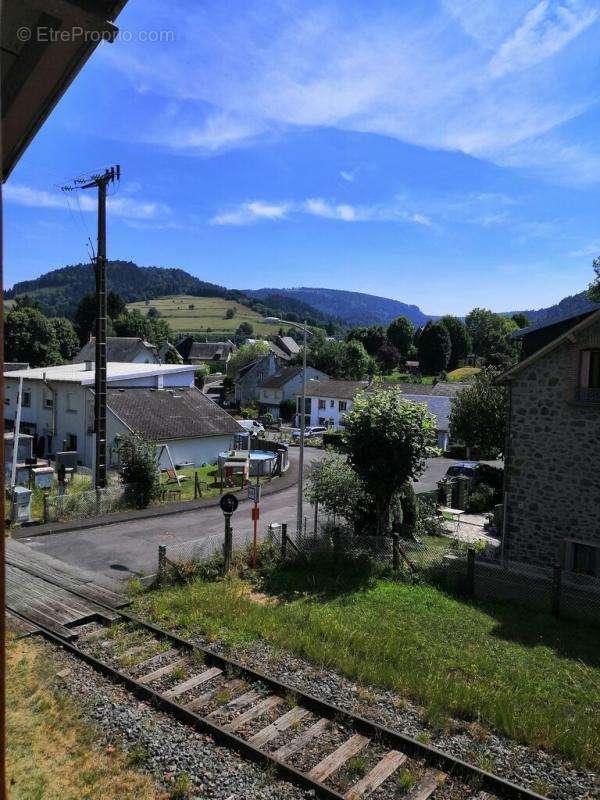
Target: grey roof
[163, 414]
[573, 317]
[281, 378]
[439, 407]
[11, 366]
[289, 344]
[344, 390]
[440, 389]
[210, 351]
[118, 348]
[278, 351]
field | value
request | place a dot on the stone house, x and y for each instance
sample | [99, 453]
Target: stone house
[284, 385]
[123, 349]
[552, 470]
[250, 377]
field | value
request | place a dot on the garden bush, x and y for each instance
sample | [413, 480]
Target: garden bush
[482, 499]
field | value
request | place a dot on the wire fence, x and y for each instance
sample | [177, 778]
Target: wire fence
[452, 558]
[84, 504]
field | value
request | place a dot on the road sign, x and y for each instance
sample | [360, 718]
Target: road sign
[228, 503]
[254, 493]
[255, 513]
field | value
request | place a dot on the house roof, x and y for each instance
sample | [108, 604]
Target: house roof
[281, 378]
[77, 373]
[556, 321]
[567, 336]
[118, 348]
[11, 366]
[163, 414]
[37, 70]
[440, 389]
[342, 390]
[289, 344]
[439, 407]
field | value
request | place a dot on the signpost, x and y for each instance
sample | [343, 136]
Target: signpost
[229, 504]
[254, 494]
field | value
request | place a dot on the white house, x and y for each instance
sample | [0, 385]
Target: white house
[327, 402]
[58, 406]
[284, 385]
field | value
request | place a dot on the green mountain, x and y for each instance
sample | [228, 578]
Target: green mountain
[59, 291]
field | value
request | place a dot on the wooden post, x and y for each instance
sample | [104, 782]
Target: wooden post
[395, 552]
[556, 584]
[162, 562]
[283, 541]
[471, 571]
[316, 521]
[197, 487]
[46, 508]
[228, 544]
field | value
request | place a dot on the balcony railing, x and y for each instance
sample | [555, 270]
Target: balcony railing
[587, 395]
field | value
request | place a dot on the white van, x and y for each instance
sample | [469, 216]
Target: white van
[252, 425]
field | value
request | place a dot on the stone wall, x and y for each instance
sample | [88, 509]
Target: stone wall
[553, 468]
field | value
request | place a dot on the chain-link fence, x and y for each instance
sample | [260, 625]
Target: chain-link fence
[82, 504]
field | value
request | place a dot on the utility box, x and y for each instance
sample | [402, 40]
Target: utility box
[43, 477]
[21, 504]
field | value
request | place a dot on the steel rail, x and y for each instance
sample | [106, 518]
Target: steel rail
[455, 767]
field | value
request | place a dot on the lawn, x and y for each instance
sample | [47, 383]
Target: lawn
[524, 674]
[52, 753]
[207, 481]
[463, 373]
[206, 316]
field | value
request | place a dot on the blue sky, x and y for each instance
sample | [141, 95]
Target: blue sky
[441, 153]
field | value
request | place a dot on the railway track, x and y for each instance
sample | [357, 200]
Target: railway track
[303, 739]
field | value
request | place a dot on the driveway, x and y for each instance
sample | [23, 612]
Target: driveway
[131, 547]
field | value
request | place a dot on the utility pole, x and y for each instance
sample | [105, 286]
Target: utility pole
[99, 181]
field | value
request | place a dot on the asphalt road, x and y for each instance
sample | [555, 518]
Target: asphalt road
[130, 548]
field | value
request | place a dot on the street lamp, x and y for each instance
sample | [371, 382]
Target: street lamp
[303, 327]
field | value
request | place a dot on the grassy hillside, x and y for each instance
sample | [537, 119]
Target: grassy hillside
[185, 312]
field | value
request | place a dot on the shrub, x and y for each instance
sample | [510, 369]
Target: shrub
[334, 440]
[139, 469]
[482, 499]
[287, 409]
[249, 412]
[268, 418]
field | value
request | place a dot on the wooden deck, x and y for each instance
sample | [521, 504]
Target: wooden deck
[55, 594]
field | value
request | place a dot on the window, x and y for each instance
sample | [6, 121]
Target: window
[7, 401]
[331, 403]
[71, 442]
[71, 402]
[48, 400]
[26, 402]
[322, 405]
[322, 421]
[589, 377]
[342, 405]
[583, 558]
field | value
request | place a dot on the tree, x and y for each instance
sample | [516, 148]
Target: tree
[358, 364]
[387, 439]
[66, 338]
[287, 409]
[335, 486]
[434, 348]
[478, 414]
[491, 336]
[371, 338]
[521, 320]
[30, 337]
[134, 323]
[85, 317]
[245, 355]
[460, 341]
[347, 361]
[139, 469]
[25, 301]
[244, 331]
[153, 313]
[115, 305]
[401, 334]
[594, 290]
[389, 357]
[230, 313]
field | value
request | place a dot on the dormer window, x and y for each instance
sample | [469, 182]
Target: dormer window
[588, 390]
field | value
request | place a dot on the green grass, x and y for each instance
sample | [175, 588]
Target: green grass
[396, 376]
[522, 673]
[207, 482]
[206, 316]
[463, 373]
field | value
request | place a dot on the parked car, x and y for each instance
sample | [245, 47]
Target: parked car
[253, 426]
[477, 473]
[310, 432]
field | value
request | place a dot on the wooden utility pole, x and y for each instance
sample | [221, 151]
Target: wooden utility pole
[99, 181]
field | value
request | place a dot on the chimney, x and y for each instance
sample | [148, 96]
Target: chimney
[91, 339]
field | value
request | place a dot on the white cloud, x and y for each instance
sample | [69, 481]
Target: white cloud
[347, 176]
[480, 76]
[257, 210]
[120, 206]
[590, 250]
[544, 31]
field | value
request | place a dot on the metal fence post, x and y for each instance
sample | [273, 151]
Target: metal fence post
[228, 544]
[316, 523]
[395, 552]
[162, 562]
[556, 585]
[197, 489]
[46, 512]
[471, 571]
[283, 541]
